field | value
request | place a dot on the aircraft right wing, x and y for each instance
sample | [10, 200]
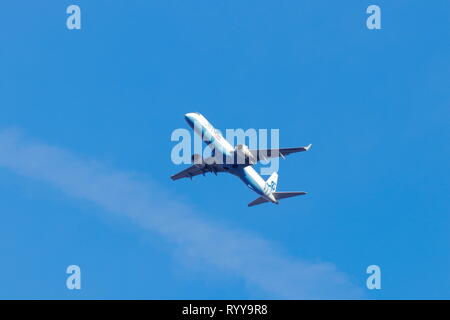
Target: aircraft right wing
[265, 154]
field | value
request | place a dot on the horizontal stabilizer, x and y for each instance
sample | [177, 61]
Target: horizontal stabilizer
[278, 196]
[257, 201]
[288, 194]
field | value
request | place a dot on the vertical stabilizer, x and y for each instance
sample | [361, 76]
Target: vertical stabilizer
[273, 181]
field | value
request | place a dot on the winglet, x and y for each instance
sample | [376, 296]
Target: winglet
[309, 146]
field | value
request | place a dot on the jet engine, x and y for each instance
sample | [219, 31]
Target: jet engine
[244, 156]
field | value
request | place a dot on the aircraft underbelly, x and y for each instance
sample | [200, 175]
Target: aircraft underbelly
[251, 178]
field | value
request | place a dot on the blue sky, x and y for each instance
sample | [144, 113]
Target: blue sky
[100, 103]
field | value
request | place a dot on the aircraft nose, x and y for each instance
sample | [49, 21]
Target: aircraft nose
[189, 117]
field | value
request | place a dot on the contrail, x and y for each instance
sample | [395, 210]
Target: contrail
[239, 252]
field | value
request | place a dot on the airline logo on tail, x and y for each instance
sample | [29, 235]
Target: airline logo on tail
[272, 182]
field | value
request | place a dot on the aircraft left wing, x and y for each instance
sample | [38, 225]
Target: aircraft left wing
[194, 170]
[265, 154]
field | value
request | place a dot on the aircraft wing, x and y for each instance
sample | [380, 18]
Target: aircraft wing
[193, 171]
[265, 154]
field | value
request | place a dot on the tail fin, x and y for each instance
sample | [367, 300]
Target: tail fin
[273, 181]
[272, 184]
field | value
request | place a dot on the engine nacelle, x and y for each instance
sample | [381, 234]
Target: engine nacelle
[197, 160]
[244, 156]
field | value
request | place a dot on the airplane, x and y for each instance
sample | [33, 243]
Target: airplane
[238, 161]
